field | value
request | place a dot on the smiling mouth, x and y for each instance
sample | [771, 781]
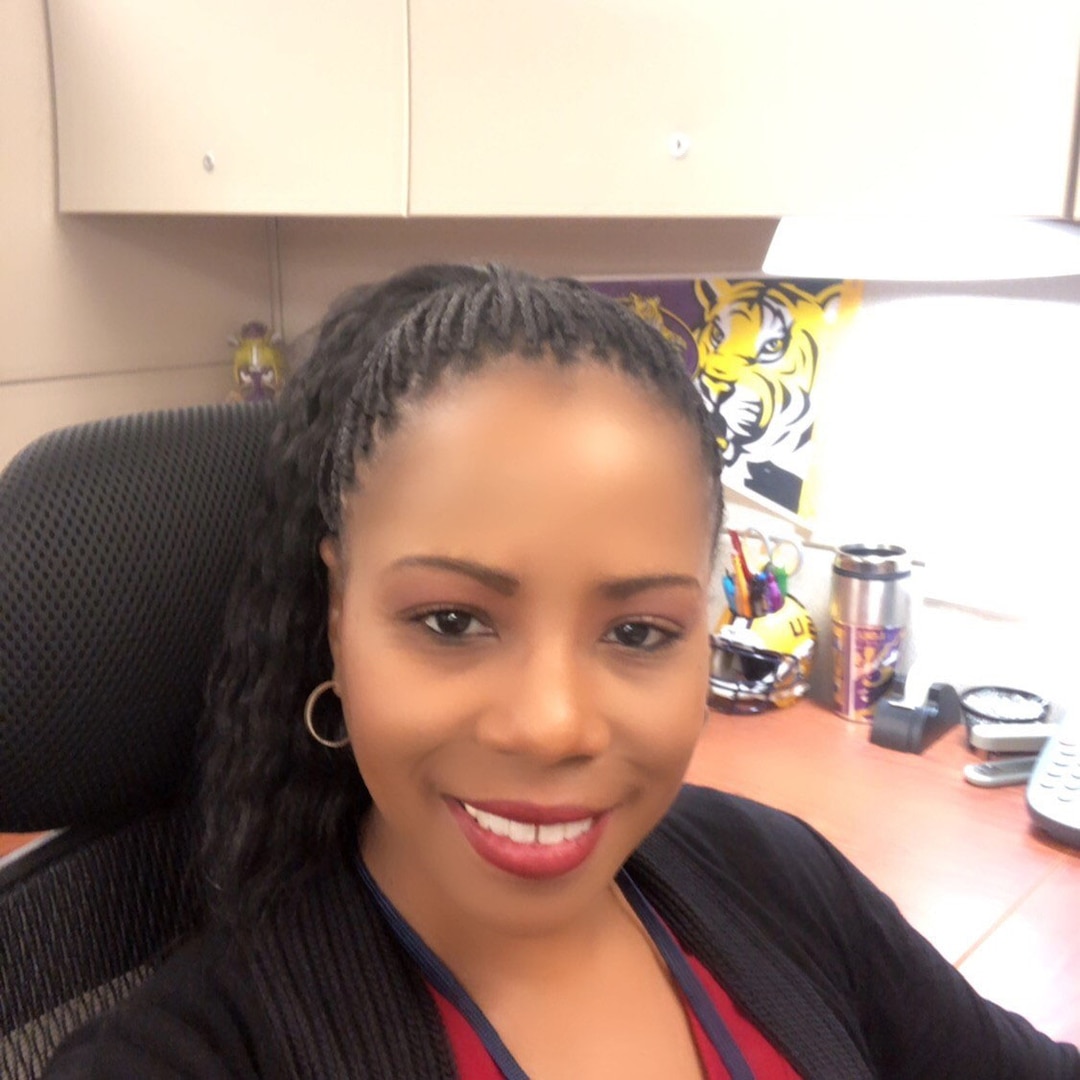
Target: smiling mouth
[527, 832]
[529, 840]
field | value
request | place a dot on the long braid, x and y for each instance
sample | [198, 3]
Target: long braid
[274, 802]
[276, 805]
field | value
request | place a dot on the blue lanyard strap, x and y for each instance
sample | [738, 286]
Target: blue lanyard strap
[444, 981]
[693, 989]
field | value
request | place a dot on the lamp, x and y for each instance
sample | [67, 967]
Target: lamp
[923, 249]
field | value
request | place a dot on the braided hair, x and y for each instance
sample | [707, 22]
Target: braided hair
[275, 804]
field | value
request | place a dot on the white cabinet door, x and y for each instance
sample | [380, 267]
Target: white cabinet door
[231, 106]
[717, 107]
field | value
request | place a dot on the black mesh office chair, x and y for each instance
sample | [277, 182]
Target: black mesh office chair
[118, 543]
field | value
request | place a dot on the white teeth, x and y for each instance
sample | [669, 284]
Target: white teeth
[500, 826]
[523, 832]
[568, 830]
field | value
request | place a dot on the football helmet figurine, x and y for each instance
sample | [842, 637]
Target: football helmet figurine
[763, 662]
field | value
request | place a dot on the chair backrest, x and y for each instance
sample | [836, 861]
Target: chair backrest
[119, 541]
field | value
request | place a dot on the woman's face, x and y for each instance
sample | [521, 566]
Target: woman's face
[518, 625]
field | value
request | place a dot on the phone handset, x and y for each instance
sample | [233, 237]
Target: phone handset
[1053, 792]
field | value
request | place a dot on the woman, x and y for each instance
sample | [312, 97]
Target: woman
[463, 675]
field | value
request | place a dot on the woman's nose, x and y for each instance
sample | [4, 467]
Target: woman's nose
[549, 709]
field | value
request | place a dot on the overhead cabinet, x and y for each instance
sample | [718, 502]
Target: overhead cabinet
[712, 107]
[231, 106]
[609, 108]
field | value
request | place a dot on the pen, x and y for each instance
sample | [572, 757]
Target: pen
[742, 596]
[729, 590]
[736, 545]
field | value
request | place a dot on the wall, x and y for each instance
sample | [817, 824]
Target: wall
[946, 417]
[102, 315]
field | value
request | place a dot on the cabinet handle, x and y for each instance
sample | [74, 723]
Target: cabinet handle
[678, 144]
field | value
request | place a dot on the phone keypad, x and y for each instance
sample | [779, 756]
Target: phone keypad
[1053, 793]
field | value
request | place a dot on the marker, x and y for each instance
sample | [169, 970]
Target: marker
[773, 593]
[736, 544]
[781, 579]
[729, 590]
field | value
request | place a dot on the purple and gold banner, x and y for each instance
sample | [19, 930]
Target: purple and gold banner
[753, 349]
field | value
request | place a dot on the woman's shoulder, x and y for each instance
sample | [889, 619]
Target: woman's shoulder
[763, 854]
[695, 803]
[721, 824]
[196, 1015]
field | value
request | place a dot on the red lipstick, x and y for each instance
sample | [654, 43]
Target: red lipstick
[543, 841]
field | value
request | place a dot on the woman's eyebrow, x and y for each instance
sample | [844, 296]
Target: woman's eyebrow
[624, 588]
[493, 579]
[507, 584]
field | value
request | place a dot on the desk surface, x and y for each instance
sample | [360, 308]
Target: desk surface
[996, 897]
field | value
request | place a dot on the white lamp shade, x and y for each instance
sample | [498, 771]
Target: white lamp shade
[923, 249]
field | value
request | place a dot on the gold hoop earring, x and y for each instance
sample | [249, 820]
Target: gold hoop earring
[309, 717]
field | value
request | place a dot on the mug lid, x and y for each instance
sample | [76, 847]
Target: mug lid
[872, 561]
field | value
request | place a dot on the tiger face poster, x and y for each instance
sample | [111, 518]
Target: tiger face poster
[753, 348]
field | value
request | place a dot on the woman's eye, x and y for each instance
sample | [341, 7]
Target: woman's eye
[641, 635]
[452, 623]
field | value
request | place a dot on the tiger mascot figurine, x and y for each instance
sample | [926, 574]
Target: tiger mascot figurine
[650, 310]
[757, 353]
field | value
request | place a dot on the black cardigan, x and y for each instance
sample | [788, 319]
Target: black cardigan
[815, 954]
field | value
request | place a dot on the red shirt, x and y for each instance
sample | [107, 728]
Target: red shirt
[765, 1061]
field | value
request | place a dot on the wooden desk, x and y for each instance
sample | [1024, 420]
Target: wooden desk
[10, 842]
[997, 898]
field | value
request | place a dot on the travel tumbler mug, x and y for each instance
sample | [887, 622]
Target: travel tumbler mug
[871, 606]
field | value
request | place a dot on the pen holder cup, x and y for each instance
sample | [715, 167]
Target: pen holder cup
[762, 662]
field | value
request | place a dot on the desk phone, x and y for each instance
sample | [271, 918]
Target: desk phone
[1053, 792]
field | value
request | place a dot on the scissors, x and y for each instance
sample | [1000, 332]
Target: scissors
[783, 557]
